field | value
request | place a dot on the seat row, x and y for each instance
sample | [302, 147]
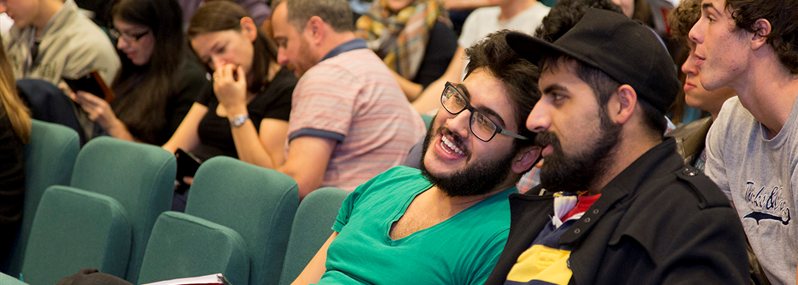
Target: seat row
[105, 206]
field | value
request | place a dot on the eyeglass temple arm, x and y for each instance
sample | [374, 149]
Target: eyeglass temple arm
[509, 133]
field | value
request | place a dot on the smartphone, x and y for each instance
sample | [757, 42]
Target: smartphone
[187, 164]
[91, 83]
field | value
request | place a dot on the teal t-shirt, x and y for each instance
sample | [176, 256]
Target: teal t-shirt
[461, 250]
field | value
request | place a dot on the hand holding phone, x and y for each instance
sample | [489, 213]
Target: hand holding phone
[99, 111]
[90, 83]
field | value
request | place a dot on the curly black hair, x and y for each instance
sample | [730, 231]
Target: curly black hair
[564, 15]
[783, 17]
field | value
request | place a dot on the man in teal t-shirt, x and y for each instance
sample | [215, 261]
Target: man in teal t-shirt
[448, 222]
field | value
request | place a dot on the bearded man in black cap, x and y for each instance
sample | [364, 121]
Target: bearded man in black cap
[617, 205]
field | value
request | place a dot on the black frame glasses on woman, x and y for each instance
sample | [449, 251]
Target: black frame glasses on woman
[129, 37]
[454, 101]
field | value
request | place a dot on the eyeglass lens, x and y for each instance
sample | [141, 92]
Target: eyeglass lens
[454, 102]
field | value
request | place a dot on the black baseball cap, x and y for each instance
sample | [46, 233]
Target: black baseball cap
[624, 49]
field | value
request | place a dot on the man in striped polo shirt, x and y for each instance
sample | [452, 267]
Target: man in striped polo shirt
[349, 118]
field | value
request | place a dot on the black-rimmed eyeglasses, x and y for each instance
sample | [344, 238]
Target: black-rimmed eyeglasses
[454, 102]
[129, 37]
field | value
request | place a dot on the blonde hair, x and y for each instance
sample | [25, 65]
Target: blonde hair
[16, 111]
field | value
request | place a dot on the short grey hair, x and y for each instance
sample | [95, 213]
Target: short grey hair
[336, 13]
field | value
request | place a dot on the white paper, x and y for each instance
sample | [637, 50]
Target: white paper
[217, 278]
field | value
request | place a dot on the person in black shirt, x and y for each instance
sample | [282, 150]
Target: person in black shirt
[159, 78]
[247, 117]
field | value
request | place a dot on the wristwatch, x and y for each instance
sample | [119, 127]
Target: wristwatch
[239, 120]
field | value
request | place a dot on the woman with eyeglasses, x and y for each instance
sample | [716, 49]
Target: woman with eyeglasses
[247, 116]
[159, 80]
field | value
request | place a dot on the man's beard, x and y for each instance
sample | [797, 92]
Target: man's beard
[578, 172]
[300, 65]
[480, 178]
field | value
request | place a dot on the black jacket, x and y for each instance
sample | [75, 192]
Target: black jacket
[657, 222]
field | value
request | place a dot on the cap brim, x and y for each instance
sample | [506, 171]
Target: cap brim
[534, 49]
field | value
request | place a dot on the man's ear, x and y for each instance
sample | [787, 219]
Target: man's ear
[525, 159]
[622, 104]
[762, 29]
[249, 28]
[315, 29]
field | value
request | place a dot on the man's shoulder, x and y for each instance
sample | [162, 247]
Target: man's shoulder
[363, 64]
[660, 175]
[350, 64]
[697, 189]
[73, 23]
[686, 189]
[93, 39]
[326, 78]
[349, 75]
[679, 202]
[394, 186]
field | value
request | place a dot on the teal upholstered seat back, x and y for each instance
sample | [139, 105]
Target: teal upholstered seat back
[312, 226]
[182, 245]
[139, 176]
[76, 229]
[257, 203]
[49, 158]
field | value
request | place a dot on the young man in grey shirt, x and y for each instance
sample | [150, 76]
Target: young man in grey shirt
[752, 148]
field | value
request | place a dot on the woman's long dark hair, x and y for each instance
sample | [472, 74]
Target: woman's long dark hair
[215, 16]
[143, 91]
[11, 105]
